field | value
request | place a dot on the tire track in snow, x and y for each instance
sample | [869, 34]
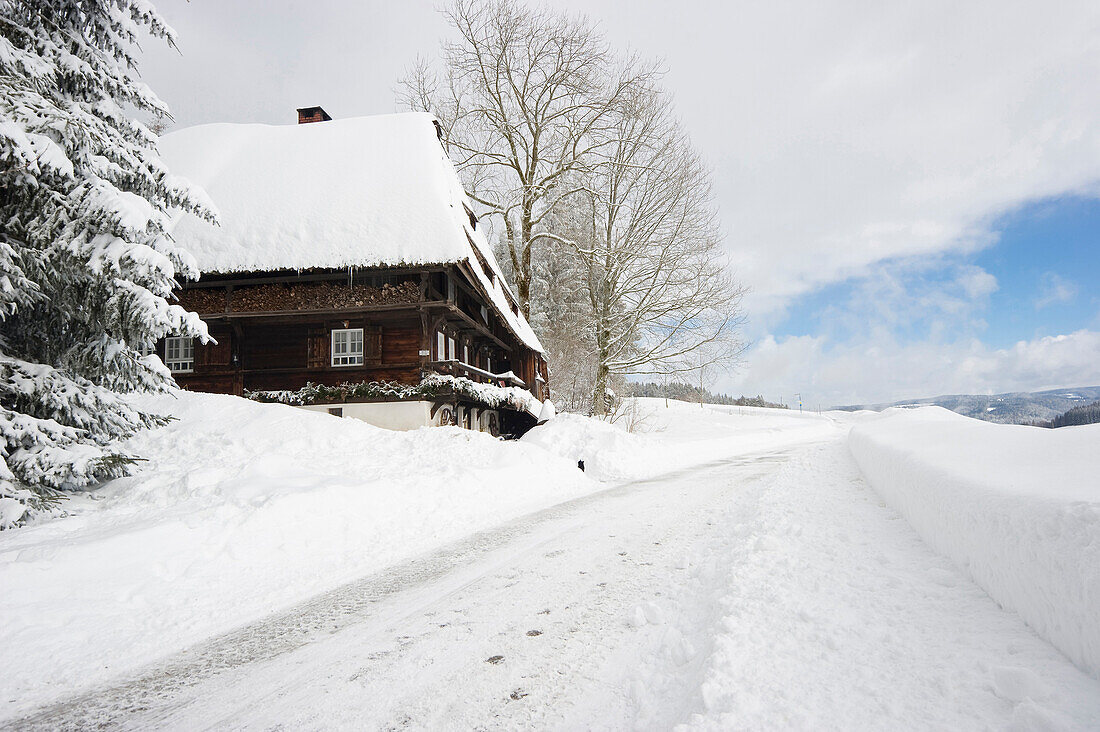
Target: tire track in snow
[414, 671]
[156, 691]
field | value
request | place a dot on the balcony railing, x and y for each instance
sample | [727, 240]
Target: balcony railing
[454, 367]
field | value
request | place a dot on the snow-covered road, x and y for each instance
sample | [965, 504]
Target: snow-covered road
[771, 590]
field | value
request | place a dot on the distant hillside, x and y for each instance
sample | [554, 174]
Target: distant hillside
[689, 393]
[1012, 408]
[1084, 414]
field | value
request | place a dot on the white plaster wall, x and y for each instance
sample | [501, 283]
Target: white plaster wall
[403, 415]
[390, 415]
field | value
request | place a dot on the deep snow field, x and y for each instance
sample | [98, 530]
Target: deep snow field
[815, 579]
[245, 508]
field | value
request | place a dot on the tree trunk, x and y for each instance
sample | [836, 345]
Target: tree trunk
[523, 290]
[603, 373]
[523, 276]
[599, 393]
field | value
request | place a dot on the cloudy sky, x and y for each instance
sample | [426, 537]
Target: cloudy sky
[910, 190]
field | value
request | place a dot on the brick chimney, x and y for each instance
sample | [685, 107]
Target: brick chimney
[312, 114]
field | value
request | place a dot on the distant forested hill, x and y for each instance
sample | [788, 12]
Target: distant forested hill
[1084, 414]
[688, 393]
[1011, 408]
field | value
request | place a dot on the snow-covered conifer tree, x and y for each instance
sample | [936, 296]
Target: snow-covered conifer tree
[86, 266]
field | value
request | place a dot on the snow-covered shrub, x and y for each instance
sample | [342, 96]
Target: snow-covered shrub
[433, 386]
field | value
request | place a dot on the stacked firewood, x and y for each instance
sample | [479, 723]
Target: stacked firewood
[311, 296]
[320, 296]
[205, 300]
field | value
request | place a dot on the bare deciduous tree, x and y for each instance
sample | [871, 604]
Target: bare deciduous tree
[573, 149]
[561, 318]
[523, 97]
[661, 297]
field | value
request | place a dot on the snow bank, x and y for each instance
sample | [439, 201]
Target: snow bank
[243, 509]
[609, 452]
[1017, 507]
[657, 437]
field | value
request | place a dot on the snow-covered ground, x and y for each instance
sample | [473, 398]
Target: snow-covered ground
[245, 509]
[1017, 507]
[669, 434]
[723, 567]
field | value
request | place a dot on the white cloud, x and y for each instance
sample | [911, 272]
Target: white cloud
[884, 370]
[1054, 289]
[977, 283]
[843, 134]
[911, 299]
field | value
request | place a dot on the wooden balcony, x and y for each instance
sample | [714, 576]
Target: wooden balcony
[454, 367]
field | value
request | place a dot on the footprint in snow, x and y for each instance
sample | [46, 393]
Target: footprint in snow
[1017, 684]
[647, 614]
[494, 659]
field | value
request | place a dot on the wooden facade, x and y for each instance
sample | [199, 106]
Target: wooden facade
[275, 331]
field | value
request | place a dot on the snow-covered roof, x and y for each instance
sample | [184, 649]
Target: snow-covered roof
[360, 192]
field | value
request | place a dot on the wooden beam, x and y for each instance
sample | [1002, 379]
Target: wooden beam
[489, 302]
[334, 369]
[236, 315]
[219, 280]
[473, 324]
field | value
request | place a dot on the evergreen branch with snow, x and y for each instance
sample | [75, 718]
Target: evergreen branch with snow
[87, 268]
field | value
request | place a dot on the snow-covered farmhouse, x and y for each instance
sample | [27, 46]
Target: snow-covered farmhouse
[349, 275]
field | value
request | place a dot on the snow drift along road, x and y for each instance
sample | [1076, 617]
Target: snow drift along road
[1017, 507]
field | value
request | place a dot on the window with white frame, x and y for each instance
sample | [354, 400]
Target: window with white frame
[465, 353]
[347, 347]
[146, 349]
[440, 346]
[450, 349]
[179, 354]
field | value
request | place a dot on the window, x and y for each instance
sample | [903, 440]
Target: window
[347, 347]
[146, 349]
[179, 354]
[465, 353]
[440, 346]
[451, 349]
